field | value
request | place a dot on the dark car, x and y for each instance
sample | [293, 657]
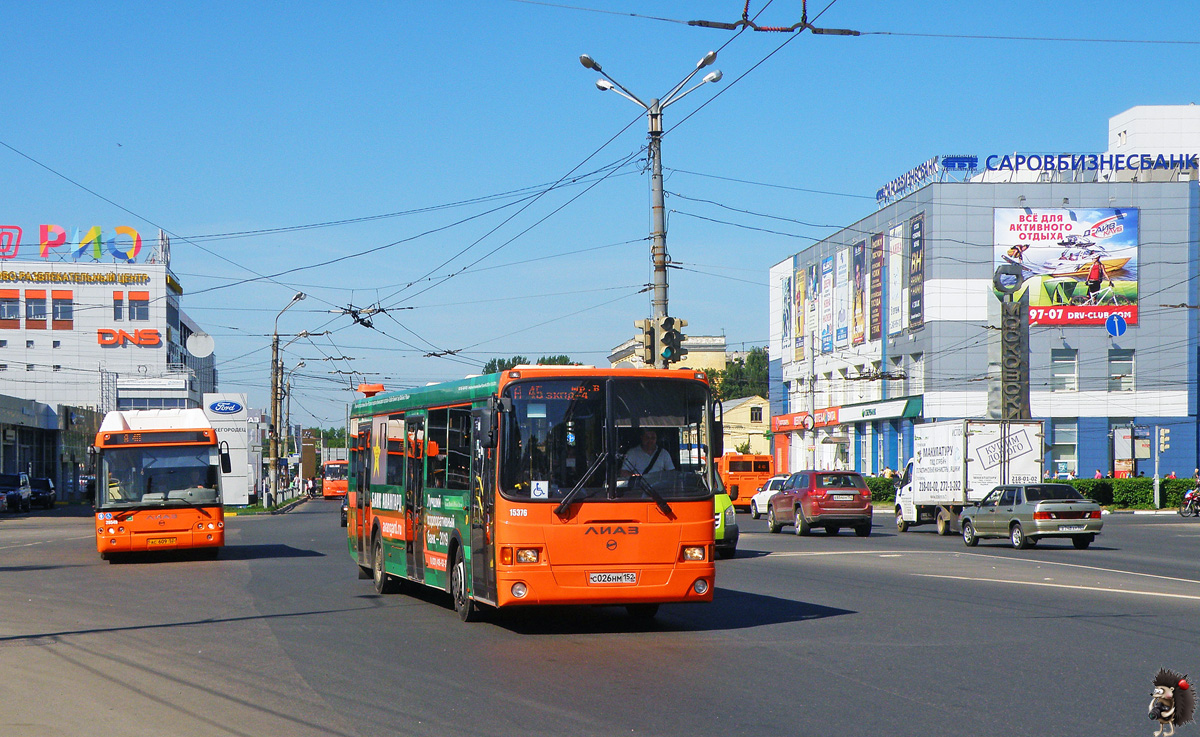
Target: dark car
[829, 499]
[15, 489]
[43, 494]
[345, 509]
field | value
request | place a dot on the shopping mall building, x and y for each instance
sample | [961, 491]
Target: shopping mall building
[893, 321]
[84, 329]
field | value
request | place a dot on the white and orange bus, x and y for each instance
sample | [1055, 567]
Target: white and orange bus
[158, 482]
[517, 488]
[333, 479]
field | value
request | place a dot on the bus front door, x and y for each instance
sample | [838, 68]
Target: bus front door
[483, 526]
[362, 482]
[414, 497]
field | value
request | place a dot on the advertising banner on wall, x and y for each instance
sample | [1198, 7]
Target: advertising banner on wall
[812, 305]
[800, 284]
[785, 291]
[875, 320]
[827, 305]
[916, 272]
[897, 278]
[841, 290]
[858, 295]
[1080, 265]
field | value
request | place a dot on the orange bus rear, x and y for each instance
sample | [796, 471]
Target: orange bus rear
[158, 483]
[333, 479]
[743, 474]
[539, 485]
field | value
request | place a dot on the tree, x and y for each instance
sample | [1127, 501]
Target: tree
[497, 365]
[745, 378]
[743, 448]
[559, 360]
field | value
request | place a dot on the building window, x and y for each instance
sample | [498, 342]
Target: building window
[1062, 453]
[30, 367]
[3, 367]
[756, 414]
[10, 308]
[64, 309]
[139, 306]
[63, 305]
[57, 367]
[118, 305]
[58, 344]
[29, 344]
[3, 343]
[1120, 370]
[1064, 370]
[35, 308]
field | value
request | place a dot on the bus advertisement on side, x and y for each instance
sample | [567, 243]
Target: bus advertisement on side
[539, 485]
[158, 482]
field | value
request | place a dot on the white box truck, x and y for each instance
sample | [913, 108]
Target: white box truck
[957, 462]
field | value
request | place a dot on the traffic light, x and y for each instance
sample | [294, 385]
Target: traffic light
[646, 344]
[1164, 438]
[670, 339]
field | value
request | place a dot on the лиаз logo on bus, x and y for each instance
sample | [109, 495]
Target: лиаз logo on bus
[225, 407]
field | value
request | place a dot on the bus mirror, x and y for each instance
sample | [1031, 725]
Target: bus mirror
[485, 426]
[718, 431]
[91, 451]
[226, 461]
[431, 448]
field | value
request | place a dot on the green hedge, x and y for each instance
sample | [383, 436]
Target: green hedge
[1135, 492]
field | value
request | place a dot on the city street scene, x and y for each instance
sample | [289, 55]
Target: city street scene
[536, 368]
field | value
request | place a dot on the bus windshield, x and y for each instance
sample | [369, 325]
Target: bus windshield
[154, 476]
[615, 439]
[336, 471]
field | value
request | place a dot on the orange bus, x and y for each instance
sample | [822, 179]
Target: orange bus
[539, 485]
[743, 474]
[158, 482]
[333, 479]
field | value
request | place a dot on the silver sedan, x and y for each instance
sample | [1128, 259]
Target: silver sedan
[1030, 512]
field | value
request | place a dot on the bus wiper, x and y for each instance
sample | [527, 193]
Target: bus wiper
[659, 501]
[569, 499]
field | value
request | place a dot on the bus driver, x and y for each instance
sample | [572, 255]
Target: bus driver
[647, 457]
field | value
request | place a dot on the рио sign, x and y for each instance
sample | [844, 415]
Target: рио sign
[91, 243]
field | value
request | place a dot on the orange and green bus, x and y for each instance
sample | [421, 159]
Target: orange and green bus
[158, 482]
[333, 479]
[518, 488]
[743, 474]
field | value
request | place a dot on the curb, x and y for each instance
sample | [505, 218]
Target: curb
[278, 510]
[1142, 511]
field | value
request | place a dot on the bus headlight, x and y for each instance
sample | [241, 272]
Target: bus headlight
[693, 552]
[700, 587]
[527, 555]
[519, 590]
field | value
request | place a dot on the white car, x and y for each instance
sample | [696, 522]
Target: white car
[758, 502]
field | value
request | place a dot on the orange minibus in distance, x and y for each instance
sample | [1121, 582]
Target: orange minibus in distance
[333, 479]
[158, 482]
[535, 486]
[743, 475]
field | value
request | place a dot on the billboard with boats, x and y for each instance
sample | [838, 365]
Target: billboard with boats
[1079, 264]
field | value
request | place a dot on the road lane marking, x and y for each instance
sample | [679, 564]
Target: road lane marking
[43, 542]
[1062, 586]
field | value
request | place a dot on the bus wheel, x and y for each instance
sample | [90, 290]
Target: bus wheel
[383, 581]
[468, 610]
[642, 612]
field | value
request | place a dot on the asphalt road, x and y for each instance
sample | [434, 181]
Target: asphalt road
[909, 634]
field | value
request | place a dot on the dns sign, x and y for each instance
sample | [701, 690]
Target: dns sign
[143, 338]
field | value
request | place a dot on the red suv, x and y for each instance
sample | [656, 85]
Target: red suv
[829, 499]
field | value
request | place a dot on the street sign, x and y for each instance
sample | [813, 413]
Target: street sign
[1116, 325]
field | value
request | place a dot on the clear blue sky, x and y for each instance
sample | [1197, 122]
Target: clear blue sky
[214, 118]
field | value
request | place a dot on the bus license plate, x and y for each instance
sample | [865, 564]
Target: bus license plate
[1071, 528]
[160, 541]
[612, 578]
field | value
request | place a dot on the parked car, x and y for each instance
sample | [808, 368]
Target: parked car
[758, 502]
[345, 509]
[43, 494]
[15, 489]
[829, 499]
[1026, 513]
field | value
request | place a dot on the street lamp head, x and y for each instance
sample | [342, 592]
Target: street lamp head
[299, 296]
[709, 58]
[713, 76]
[603, 85]
[589, 62]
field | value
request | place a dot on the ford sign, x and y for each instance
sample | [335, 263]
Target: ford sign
[225, 407]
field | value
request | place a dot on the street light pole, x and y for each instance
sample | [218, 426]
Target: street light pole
[287, 387]
[273, 443]
[658, 220]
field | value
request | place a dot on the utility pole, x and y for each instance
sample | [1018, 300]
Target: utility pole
[273, 444]
[658, 220]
